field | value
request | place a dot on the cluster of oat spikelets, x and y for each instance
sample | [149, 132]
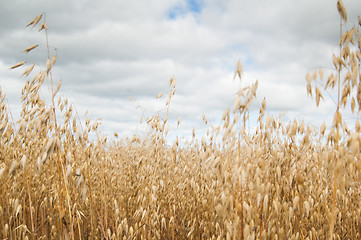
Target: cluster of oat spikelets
[285, 181]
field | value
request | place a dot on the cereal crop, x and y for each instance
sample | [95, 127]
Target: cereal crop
[285, 180]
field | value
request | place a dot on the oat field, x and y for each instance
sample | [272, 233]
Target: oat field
[285, 180]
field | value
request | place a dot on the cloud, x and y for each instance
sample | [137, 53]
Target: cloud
[109, 51]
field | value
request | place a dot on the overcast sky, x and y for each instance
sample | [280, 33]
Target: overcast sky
[109, 51]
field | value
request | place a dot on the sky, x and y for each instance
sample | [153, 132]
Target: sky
[109, 52]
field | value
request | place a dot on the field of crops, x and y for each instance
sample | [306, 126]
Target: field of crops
[285, 180]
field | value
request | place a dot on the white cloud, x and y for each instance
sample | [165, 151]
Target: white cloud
[109, 51]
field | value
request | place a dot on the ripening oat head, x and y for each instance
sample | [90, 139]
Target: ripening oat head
[18, 65]
[323, 129]
[14, 165]
[43, 26]
[159, 95]
[48, 66]
[342, 10]
[309, 90]
[31, 48]
[335, 61]
[308, 78]
[53, 60]
[34, 21]
[264, 104]
[318, 96]
[28, 71]
[353, 104]
[331, 81]
[321, 74]
[337, 120]
[57, 88]
[178, 121]
[23, 161]
[239, 70]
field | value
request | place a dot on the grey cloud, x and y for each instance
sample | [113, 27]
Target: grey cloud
[109, 51]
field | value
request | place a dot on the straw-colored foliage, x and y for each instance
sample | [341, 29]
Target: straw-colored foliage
[282, 181]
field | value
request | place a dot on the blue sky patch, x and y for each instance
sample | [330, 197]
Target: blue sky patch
[193, 6]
